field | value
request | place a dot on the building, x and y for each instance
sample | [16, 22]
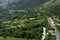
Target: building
[14, 11]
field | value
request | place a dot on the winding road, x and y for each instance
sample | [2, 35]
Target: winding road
[50, 20]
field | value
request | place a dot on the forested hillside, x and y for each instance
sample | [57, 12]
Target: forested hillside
[29, 25]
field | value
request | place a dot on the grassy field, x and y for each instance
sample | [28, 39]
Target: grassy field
[11, 38]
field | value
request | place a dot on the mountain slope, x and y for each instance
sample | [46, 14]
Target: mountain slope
[52, 7]
[20, 4]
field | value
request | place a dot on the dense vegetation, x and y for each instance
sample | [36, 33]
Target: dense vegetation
[28, 25]
[50, 37]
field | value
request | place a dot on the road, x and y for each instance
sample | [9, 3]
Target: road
[44, 33]
[50, 20]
